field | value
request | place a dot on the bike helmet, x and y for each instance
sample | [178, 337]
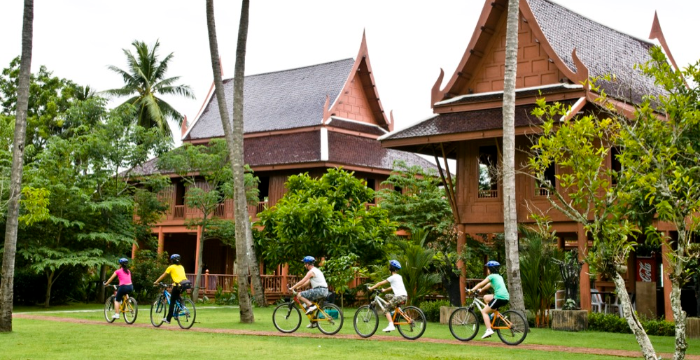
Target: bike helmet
[394, 264]
[123, 261]
[493, 265]
[308, 260]
[175, 258]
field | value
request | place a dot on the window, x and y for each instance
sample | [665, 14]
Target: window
[488, 180]
[550, 179]
[372, 183]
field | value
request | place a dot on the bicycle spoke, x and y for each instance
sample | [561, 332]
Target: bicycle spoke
[464, 324]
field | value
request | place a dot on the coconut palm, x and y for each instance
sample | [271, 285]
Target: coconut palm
[144, 81]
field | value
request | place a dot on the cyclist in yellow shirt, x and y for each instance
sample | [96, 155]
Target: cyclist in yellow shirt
[180, 283]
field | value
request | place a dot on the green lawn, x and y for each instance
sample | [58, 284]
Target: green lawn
[33, 339]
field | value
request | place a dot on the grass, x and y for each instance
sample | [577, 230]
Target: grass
[33, 339]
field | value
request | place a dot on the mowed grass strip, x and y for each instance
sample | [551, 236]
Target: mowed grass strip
[36, 339]
[214, 317]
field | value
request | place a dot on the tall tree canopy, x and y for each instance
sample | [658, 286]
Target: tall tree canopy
[144, 80]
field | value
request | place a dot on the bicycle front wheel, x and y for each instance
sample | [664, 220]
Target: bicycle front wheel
[131, 310]
[329, 319]
[464, 324]
[366, 321]
[516, 332]
[159, 310]
[186, 314]
[109, 309]
[416, 323]
[286, 317]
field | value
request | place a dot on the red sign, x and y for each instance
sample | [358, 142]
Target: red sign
[646, 269]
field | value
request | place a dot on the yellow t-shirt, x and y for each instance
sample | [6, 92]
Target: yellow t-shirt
[177, 273]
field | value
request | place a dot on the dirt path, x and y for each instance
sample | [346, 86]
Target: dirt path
[554, 348]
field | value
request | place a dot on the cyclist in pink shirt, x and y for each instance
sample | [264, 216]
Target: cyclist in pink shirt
[125, 285]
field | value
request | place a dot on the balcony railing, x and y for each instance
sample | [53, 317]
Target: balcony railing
[223, 211]
[484, 194]
[541, 191]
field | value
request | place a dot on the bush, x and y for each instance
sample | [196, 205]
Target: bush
[615, 324]
[431, 309]
[226, 298]
[146, 268]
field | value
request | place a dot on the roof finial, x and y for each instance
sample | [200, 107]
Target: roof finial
[435, 93]
[391, 120]
[581, 70]
[326, 110]
[183, 127]
[656, 33]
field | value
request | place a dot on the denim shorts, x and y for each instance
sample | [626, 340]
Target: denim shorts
[315, 293]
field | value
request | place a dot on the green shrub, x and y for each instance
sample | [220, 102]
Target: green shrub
[616, 324]
[226, 298]
[431, 309]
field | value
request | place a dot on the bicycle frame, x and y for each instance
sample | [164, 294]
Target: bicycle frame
[319, 309]
[125, 298]
[496, 314]
[397, 311]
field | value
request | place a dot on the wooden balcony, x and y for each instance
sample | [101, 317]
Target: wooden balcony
[487, 194]
[222, 211]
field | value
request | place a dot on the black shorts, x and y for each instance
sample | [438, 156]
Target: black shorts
[496, 303]
[123, 290]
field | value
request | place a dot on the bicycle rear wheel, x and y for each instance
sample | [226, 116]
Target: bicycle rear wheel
[329, 319]
[131, 310]
[109, 309]
[518, 327]
[186, 313]
[464, 324]
[286, 317]
[159, 310]
[416, 323]
[366, 321]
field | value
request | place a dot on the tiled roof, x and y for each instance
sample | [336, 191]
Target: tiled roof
[283, 149]
[369, 152]
[602, 49]
[356, 126]
[522, 92]
[469, 121]
[278, 100]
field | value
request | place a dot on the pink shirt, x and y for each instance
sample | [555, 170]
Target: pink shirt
[124, 278]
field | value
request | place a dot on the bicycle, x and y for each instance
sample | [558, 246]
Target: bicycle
[409, 320]
[510, 325]
[129, 307]
[184, 311]
[287, 316]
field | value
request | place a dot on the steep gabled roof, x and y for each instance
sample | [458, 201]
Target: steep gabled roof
[278, 100]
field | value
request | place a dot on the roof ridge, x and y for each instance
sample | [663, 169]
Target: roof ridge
[292, 69]
[598, 22]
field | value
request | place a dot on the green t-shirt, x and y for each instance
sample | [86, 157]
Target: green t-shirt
[499, 287]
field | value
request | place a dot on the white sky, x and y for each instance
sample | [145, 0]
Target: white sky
[409, 41]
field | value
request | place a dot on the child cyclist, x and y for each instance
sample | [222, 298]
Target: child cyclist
[125, 285]
[180, 283]
[500, 295]
[400, 295]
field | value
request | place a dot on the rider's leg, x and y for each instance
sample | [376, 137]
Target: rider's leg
[486, 310]
[304, 300]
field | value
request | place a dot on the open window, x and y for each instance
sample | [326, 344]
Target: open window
[550, 181]
[488, 165]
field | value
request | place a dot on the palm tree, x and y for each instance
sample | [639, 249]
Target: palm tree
[144, 81]
[510, 218]
[10, 247]
[245, 306]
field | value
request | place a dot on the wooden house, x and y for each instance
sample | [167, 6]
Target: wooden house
[307, 119]
[558, 50]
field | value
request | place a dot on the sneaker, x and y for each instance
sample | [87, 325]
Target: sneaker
[389, 328]
[310, 309]
[165, 320]
[313, 325]
[115, 316]
[488, 333]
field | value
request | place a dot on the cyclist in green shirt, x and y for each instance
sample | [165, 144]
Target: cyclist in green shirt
[500, 295]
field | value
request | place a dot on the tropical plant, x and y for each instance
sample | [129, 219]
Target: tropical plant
[540, 273]
[416, 268]
[146, 266]
[144, 80]
[340, 271]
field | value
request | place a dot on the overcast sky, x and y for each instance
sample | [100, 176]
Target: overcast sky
[409, 41]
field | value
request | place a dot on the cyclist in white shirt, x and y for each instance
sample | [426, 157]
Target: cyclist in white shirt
[400, 295]
[319, 287]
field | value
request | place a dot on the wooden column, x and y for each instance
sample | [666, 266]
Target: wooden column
[133, 251]
[161, 240]
[668, 310]
[584, 280]
[461, 242]
[196, 255]
[285, 272]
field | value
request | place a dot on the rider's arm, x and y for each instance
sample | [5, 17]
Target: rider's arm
[110, 278]
[161, 277]
[481, 284]
[378, 284]
[303, 281]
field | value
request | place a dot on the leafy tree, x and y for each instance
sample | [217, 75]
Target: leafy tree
[209, 183]
[324, 217]
[146, 266]
[144, 80]
[340, 271]
[10, 240]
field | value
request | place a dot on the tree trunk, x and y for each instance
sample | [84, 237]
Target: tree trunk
[679, 315]
[510, 220]
[101, 289]
[49, 284]
[235, 148]
[632, 320]
[200, 252]
[260, 299]
[10, 247]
